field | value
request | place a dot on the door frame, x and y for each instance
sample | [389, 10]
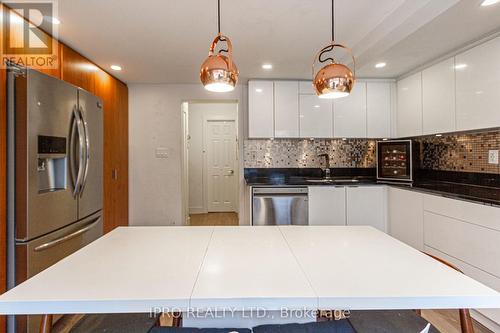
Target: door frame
[185, 157]
[206, 120]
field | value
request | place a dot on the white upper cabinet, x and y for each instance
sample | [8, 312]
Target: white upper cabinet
[260, 109]
[409, 111]
[306, 87]
[378, 108]
[478, 86]
[367, 205]
[438, 91]
[315, 117]
[286, 109]
[349, 113]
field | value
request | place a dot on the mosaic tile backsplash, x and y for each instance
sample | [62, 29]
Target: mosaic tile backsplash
[296, 153]
[466, 152]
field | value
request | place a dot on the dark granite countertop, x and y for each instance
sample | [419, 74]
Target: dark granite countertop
[449, 185]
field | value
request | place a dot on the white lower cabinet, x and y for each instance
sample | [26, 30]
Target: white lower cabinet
[367, 205]
[327, 205]
[466, 234]
[406, 219]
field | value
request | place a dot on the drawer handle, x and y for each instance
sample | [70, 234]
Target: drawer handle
[67, 237]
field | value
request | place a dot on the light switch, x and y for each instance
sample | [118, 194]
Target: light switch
[162, 152]
[493, 156]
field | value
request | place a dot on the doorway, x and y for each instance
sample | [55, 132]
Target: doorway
[211, 162]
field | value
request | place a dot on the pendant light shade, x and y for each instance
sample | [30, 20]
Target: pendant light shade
[333, 80]
[219, 73]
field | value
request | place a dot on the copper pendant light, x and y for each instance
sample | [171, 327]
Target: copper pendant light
[219, 73]
[335, 79]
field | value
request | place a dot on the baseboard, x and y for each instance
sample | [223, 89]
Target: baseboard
[485, 321]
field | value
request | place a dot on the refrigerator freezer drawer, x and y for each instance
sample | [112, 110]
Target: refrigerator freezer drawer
[35, 256]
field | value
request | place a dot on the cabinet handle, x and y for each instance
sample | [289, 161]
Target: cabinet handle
[114, 174]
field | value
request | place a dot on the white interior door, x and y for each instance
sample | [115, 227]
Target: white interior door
[221, 163]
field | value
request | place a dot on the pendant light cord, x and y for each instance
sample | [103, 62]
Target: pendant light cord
[333, 20]
[218, 16]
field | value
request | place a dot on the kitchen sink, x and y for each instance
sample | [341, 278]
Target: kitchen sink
[331, 180]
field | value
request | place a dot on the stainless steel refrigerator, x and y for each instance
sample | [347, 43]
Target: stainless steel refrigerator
[55, 163]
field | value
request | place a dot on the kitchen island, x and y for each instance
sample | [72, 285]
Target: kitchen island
[275, 269]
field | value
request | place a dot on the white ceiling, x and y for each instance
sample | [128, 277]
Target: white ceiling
[165, 41]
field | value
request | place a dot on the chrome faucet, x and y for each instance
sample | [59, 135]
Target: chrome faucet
[327, 162]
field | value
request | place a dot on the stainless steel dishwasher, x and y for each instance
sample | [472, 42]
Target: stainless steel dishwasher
[280, 206]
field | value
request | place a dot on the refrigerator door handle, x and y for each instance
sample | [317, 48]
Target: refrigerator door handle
[87, 151]
[67, 237]
[77, 124]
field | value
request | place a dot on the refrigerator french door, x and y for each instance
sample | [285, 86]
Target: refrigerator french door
[55, 175]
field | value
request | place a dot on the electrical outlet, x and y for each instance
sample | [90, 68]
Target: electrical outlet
[162, 153]
[493, 156]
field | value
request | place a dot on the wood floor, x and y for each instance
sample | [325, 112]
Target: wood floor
[210, 219]
[447, 321]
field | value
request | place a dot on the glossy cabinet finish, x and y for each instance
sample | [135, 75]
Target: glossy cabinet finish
[327, 205]
[291, 109]
[349, 113]
[306, 87]
[367, 205]
[378, 109]
[409, 110]
[478, 86]
[286, 109]
[438, 93]
[405, 216]
[260, 109]
[316, 118]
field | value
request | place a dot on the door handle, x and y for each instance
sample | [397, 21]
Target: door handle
[87, 151]
[77, 128]
[67, 237]
[231, 172]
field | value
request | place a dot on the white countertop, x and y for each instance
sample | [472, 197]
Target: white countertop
[134, 269]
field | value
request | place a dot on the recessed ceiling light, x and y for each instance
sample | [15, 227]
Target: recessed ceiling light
[380, 65]
[461, 66]
[489, 2]
[116, 67]
[258, 90]
[267, 66]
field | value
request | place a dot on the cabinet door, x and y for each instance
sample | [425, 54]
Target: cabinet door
[406, 217]
[327, 205]
[367, 206]
[286, 109]
[260, 109]
[438, 95]
[306, 88]
[478, 86]
[315, 117]
[77, 70]
[349, 114]
[378, 109]
[409, 111]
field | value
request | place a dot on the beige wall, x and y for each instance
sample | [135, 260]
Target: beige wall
[155, 121]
